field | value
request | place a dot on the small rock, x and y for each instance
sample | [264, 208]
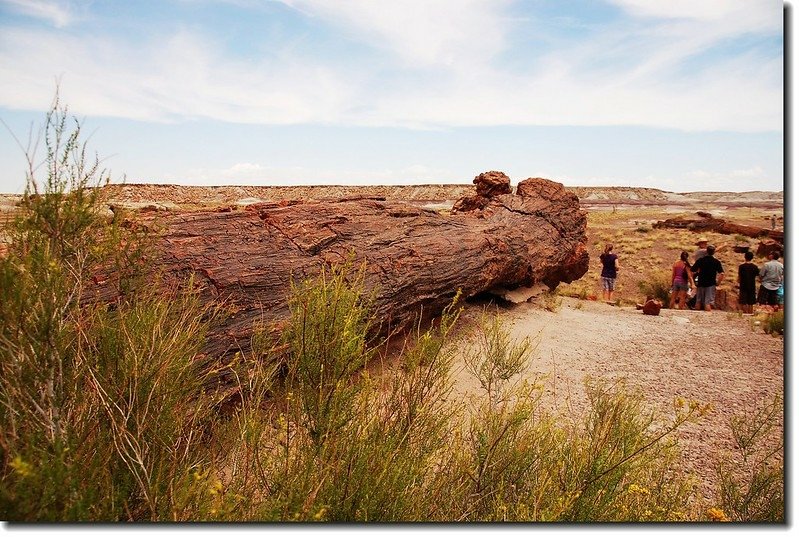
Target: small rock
[652, 307]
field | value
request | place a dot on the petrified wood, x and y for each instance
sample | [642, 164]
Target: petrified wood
[719, 226]
[415, 259]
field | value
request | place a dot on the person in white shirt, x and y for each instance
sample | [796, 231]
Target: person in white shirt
[771, 277]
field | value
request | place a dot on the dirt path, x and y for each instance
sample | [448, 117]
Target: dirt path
[713, 357]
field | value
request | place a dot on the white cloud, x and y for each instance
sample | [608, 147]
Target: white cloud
[248, 173]
[736, 15]
[179, 76]
[755, 172]
[753, 178]
[622, 74]
[59, 13]
[424, 33]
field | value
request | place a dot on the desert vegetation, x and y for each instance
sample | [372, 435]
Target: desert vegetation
[108, 412]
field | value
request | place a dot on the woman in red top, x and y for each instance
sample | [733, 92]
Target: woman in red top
[681, 280]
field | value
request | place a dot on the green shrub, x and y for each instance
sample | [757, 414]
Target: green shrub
[518, 461]
[775, 323]
[750, 479]
[100, 407]
[551, 301]
[657, 285]
[343, 445]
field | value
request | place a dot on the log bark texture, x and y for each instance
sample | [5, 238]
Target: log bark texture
[718, 225]
[415, 259]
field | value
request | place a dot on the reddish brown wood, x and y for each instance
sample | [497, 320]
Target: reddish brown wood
[719, 226]
[415, 259]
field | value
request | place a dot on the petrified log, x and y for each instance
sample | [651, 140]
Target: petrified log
[719, 225]
[767, 246]
[415, 259]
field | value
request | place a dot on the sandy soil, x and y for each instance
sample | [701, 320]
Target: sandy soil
[713, 357]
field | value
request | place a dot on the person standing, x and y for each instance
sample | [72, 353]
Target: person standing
[747, 274]
[710, 274]
[702, 250]
[610, 267]
[681, 280]
[771, 275]
[773, 221]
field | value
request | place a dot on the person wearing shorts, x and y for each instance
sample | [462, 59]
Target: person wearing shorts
[610, 267]
[681, 280]
[710, 274]
[747, 276]
[771, 277]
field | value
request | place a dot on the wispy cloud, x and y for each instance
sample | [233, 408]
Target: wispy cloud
[436, 64]
[59, 13]
[249, 173]
[179, 76]
[735, 15]
[423, 33]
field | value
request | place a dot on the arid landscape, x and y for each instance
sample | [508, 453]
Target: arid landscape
[720, 358]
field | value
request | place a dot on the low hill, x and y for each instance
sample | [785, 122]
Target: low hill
[203, 195]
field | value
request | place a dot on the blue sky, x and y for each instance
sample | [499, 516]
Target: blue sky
[680, 95]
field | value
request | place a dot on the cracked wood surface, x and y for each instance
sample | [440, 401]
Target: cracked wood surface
[415, 259]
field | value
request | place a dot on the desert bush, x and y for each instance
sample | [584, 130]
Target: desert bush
[327, 337]
[100, 407]
[657, 285]
[774, 323]
[403, 452]
[335, 443]
[518, 461]
[750, 479]
[621, 463]
[771, 322]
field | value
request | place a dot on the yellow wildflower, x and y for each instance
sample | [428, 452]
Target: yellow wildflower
[319, 514]
[23, 468]
[216, 487]
[717, 515]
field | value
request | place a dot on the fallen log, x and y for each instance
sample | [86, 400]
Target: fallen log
[719, 225]
[415, 259]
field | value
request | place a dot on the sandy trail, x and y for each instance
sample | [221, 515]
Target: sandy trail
[713, 357]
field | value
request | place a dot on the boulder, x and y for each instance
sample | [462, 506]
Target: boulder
[490, 184]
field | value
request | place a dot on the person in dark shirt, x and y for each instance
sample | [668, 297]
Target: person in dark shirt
[610, 266]
[747, 276]
[710, 274]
